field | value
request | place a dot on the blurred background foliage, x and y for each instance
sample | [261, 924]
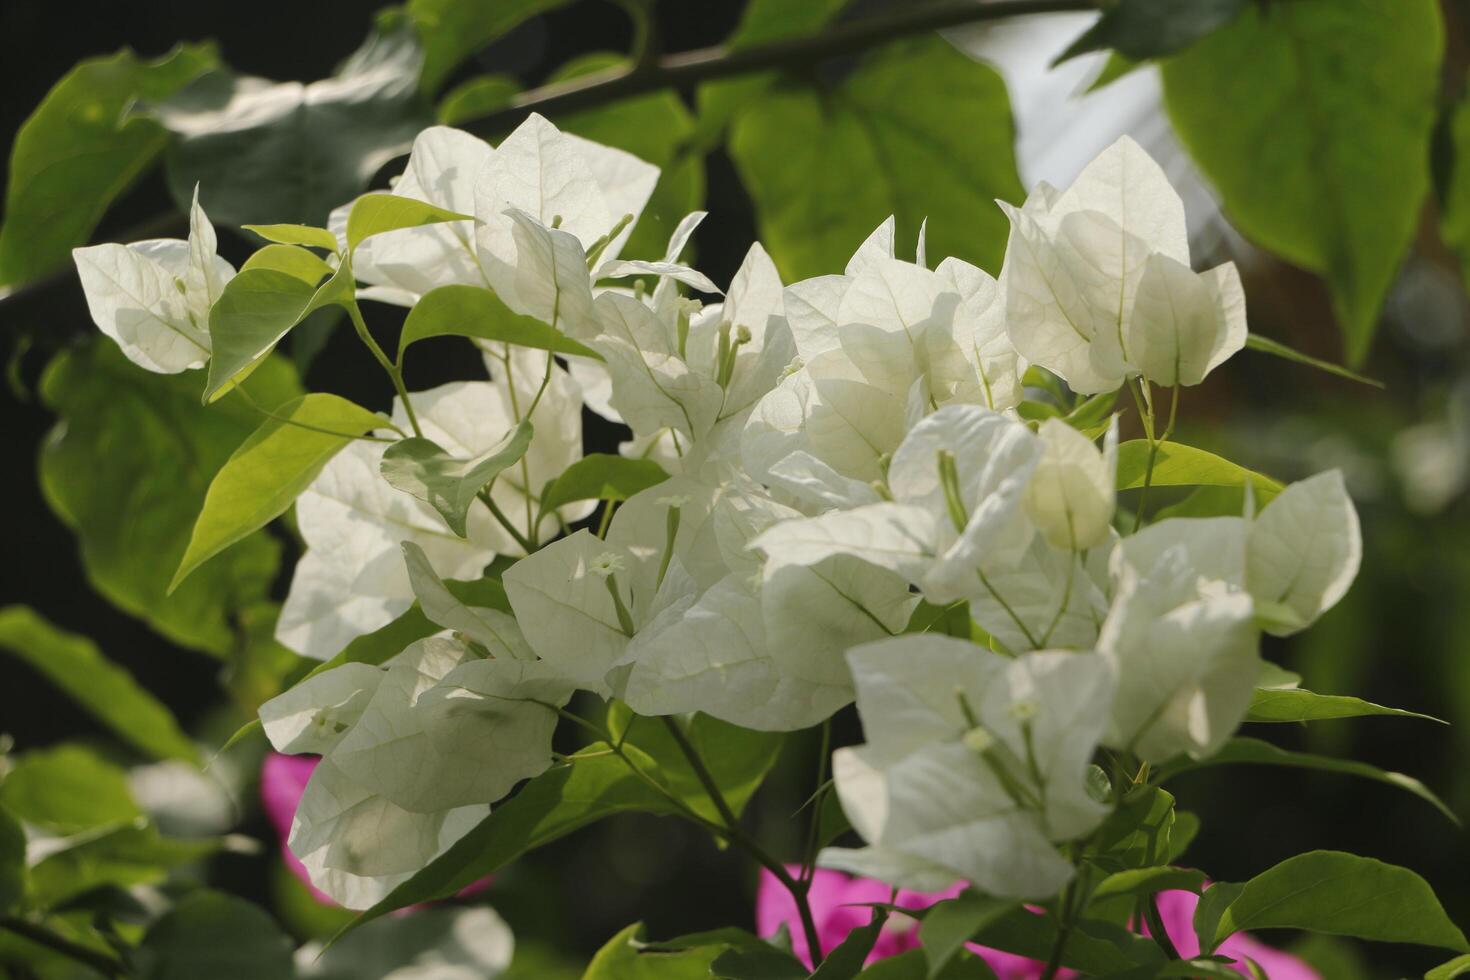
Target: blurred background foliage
[1335, 132]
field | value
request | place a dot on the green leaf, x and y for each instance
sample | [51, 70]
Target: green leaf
[1266, 345]
[127, 467]
[469, 311]
[623, 958]
[1457, 967]
[257, 308]
[478, 96]
[66, 790]
[1212, 904]
[1178, 465]
[296, 235]
[265, 152]
[12, 863]
[117, 855]
[1454, 223]
[374, 214]
[949, 925]
[293, 260]
[80, 149]
[846, 961]
[448, 484]
[450, 30]
[1206, 501]
[756, 963]
[1142, 29]
[657, 128]
[601, 476]
[211, 934]
[1345, 895]
[1093, 947]
[109, 693]
[737, 758]
[917, 130]
[1147, 881]
[1256, 752]
[1313, 163]
[1139, 833]
[912, 966]
[270, 469]
[1295, 704]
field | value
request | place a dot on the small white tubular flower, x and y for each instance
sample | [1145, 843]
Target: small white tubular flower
[312, 717]
[975, 764]
[357, 846]
[153, 297]
[1182, 635]
[1098, 286]
[1070, 497]
[1303, 552]
[1184, 323]
[400, 266]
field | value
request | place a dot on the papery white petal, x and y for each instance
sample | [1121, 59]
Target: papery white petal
[312, 716]
[1304, 549]
[134, 300]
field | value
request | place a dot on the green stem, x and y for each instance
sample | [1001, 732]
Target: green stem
[394, 374]
[738, 836]
[809, 858]
[505, 522]
[108, 966]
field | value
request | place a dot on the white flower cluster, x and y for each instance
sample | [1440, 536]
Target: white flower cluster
[839, 450]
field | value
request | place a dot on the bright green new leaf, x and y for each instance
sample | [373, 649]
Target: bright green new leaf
[374, 214]
[293, 260]
[1178, 465]
[1266, 345]
[469, 311]
[80, 149]
[918, 130]
[109, 693]
[296, 235]
[1256, 752]
[211, 934]
[127, 467]
[66, 790]
[1295, 704]
[623, 959]
[270, 469]
[1313, 162]
[12, 863]
[1142, 29]
[257, 309]
[950, 924]
[450, 30]
[449, 485]
[268, 152]
[1345, 895]
[601, 476]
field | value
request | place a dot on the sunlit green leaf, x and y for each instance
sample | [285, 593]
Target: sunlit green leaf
[293, 260]
[448, 484]
[1178, 465]
[600, 476]
[917, 130]
[450, 30]
[1275, 347]
[1296, 704]
[286, 234]
[476, 97]
[127, 468]
[374, 214]
[1313, 164]
[270, 469]
[469, 311]
[109, 693]
[80, 149]
[622, 959]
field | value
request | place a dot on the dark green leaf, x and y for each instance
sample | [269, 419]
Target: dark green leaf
[469, 311]
[846, 961]
[12, 863]
[1138, 834]
[763, 962]
[450, 30]
[109, 693]
[912, 966]
[918, 130]
[257, 308]
[264, 152]
[1257, 752]
[1212, 905]
[1314, 163]
[600, 476]
[66, 790]
[1092, 947]
[127, 468]
[1178, 465]
[1268, 346]
[1346, 895]
[1147, 881]
[448, 484]
[211, 934]
[950, 924]
[374, 214]
[80, 149]
[1142, 29]
[270, 469]
[1295, 704]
